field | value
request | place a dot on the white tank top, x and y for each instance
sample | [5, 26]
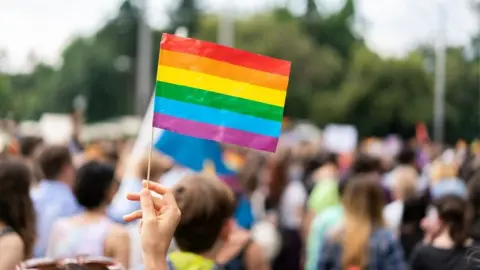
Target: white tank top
[71, 238]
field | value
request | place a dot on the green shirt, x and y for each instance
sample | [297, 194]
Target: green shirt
[324, 195]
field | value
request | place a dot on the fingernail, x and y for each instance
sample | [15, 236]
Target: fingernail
[145, 192]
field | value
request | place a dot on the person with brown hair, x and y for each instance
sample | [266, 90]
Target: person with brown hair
[57, 166]
[17, 215]
[474, 201]
[448, 242]
[284, 205]
[207, 207]
[30, 147]
[361, 241]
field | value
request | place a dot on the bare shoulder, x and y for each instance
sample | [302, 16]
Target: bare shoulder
[12, 244]
[118, 231]
[256, 257]
[255, 250]
[11, 241]
[117, 237]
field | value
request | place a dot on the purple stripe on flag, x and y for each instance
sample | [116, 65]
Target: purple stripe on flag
[216, 133]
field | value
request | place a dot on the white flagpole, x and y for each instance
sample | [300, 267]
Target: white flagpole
[143, 140]
[144, 134]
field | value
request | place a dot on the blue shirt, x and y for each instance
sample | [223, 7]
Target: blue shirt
[449, 186]
[52, 200]
[384, 253]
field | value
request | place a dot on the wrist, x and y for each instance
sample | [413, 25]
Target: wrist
[155, 263]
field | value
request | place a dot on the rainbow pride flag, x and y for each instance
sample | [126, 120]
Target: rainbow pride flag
[218, 93]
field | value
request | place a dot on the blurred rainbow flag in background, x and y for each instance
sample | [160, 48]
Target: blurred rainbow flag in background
[213, 92]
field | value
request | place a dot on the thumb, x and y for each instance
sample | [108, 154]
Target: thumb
[146, 203]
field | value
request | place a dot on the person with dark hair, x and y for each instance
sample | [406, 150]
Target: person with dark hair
[285, 203]
[17, 215]
[410, 230]
[474, 200]
[53, 198]
[324, 159]
[91, 232]
[367, 164]
[407, 156]
[29, 146]
[324, 191]
[447, 245]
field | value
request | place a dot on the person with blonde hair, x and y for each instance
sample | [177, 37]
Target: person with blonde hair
[443, 177]
[361, 241]
[405, 180]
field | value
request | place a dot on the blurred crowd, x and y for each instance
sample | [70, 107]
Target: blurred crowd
[302, 207]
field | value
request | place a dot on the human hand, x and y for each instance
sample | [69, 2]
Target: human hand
[160, 217]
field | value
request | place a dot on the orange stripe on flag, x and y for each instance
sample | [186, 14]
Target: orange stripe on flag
[222, 69]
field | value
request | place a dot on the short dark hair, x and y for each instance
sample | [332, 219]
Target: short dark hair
[206, 204]
[406, 156]
[92, 183]
[365, 163]
[29, 144]
[53, 159]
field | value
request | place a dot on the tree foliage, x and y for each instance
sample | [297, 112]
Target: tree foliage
[334, 77]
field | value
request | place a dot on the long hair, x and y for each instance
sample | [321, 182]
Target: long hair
[16, 207]
[363, 202]
[454, 212]
[279, 177]
[249, 175]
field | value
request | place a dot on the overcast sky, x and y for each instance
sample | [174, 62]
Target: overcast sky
[44, 27]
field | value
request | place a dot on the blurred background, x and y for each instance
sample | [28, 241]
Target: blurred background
[381, 66]
[388, 89]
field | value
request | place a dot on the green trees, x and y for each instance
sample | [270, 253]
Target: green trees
[334, 78]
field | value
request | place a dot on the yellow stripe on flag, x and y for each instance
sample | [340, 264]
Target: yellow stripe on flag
[221, 85]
